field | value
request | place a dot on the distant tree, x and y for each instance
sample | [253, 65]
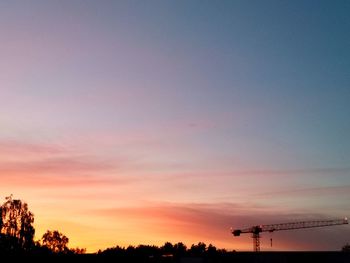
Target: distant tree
[116, 251]
[55, 241]
[130, 250]
[211, 250]
[180, 249]
[346, 248]
[167, 249]
[16, 223]
[198, 250]
[146, 251]
[224, 251]
[78, 250]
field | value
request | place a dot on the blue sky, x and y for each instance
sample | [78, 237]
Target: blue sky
[192, 104]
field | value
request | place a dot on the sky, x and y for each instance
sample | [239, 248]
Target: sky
[141, 122]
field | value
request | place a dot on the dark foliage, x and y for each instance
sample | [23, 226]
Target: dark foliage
[16, 226]
[55, 241]
[17, 232]
[167, 253]
[346, 248]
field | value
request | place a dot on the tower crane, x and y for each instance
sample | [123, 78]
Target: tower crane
[256, 230]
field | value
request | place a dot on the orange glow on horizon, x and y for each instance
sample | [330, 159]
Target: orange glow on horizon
[100, 204]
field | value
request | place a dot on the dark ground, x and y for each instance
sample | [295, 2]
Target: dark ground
[261, 257]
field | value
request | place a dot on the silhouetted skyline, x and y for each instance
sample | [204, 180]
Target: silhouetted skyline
[144, 122]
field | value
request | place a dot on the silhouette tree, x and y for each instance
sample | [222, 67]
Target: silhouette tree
[55, 241]
[16, 223]
[198, 250]
[180, 249]
[146, 251]
[116, 251]
[167, 249]
[78, 250]
[346, 248]
[211, 250]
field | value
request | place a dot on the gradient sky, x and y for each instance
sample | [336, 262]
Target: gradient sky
[129, 122]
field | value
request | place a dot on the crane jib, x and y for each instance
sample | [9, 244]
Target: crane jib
[256, 230]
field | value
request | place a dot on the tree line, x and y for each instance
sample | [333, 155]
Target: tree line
[168, 250]
[17, 232]
[17, 235]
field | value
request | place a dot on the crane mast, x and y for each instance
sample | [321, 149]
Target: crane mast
[256, 230]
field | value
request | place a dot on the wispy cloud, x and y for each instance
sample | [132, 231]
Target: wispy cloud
[33, 165]
[72, 164]
[24, 149]
[303, 171]
[314, 191]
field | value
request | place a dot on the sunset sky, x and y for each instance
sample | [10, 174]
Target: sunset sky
[141, 122]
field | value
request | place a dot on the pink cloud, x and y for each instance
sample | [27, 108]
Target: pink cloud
[64, 181]
[13, 147]
[35, 165]
[53, 158]
[73, 165]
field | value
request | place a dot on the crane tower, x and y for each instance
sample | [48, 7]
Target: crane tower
[256, 230]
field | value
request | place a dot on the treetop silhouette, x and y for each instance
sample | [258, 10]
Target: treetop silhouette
[16, 224]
